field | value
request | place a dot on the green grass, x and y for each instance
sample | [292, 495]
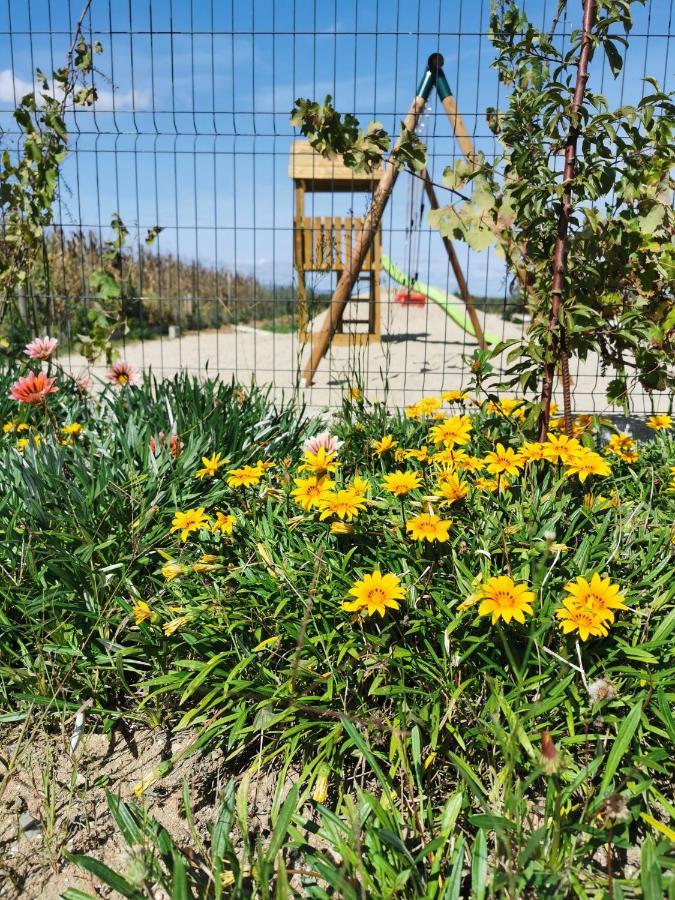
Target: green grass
[424, 726]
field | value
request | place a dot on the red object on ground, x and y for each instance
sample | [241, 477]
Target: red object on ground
[410, 297]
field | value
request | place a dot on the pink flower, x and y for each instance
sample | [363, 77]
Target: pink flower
[159, 442]
[82, 382]
[121, 373]
[33, 388]
[324, 439]
[41, 348]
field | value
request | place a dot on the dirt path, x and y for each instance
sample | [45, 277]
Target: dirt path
[420, 353]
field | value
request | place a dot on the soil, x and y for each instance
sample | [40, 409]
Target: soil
[52, 801]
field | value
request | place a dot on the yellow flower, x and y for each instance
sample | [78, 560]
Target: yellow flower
[320, 791]
[191, 520]
[422, 455]
[344, 504]
[560, 448]
[308, 491]
[452, 432]
[586, 622]
[503, 461]
[246, 476]
[320, 463]
[428, 527]
[451, 489]
[141, 611]
[427, 406]
[598, 596]
[508, 407]
[586, 462]
[172, 569]
[23, 426]
[359, 485]
[175, 624]
[623, 446]
[73, 430]
[492, 484]
[211, 465]
[384, 444]
[531, 451]
[224, 523]
[400, 482]
[413, 411]
[400, 455]
[501, 598]
[375, 594]
[339, 527]
[206, 563]
[454, 396]
[355, 393]
[659, 423]
[8, 427]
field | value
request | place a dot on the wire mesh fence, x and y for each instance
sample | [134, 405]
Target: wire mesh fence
[191, 133]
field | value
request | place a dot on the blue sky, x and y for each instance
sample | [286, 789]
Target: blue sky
[191, 131]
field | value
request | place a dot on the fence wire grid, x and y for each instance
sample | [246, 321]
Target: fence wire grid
[191, 133]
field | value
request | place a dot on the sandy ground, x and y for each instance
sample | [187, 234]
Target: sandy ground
[420, 353]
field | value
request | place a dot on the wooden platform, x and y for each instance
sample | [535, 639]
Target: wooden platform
[321, 175]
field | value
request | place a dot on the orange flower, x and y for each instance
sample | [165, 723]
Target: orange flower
[32, 388]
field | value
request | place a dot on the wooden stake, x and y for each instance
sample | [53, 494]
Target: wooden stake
[458, 127]
[456, 268]
[321, 341]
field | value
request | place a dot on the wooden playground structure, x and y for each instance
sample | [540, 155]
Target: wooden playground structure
[326, 243]
[351, 246]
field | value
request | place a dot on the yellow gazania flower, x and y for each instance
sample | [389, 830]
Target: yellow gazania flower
[427, 406]
[375, 593]
[451, 489]
[355, 393]
[141, 611]
[598, 595]
[344, 504]
[400, 482]
[224, 523]
[560, 448]
[412, 411]
[623, 446]
[581, 619]
[190, 520]
[339, 527]
[308, 491]
[246, 476]
[23, 426]
[9, 427]
[503, 461]
[586, 462]
[468, 463]
[172, 569]
[428, 527]
[384, 444]
[508, 407]
[660, 422]
[211, 465]
[531, 451]
[501, 598]
[173, 626]
[400, 455]
[422, 455]
[454, 396]
[359, 486]
[320, 463]
[583, 422]
[207, 562]
[452, 432]
[73, 430]
[491, 484]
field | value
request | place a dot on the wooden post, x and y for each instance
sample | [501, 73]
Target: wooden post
[456, 268]
[321, 341]
[457, 123]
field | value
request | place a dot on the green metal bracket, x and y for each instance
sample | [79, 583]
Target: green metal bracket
[434, 77]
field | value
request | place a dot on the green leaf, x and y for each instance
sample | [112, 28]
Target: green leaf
[621, 744]
[105, 874]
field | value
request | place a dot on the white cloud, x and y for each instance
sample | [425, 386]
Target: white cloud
[13, 88]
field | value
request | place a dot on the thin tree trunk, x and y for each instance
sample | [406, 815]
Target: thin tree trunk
[556, 325]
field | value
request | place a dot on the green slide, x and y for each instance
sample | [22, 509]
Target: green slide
[456, 311]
